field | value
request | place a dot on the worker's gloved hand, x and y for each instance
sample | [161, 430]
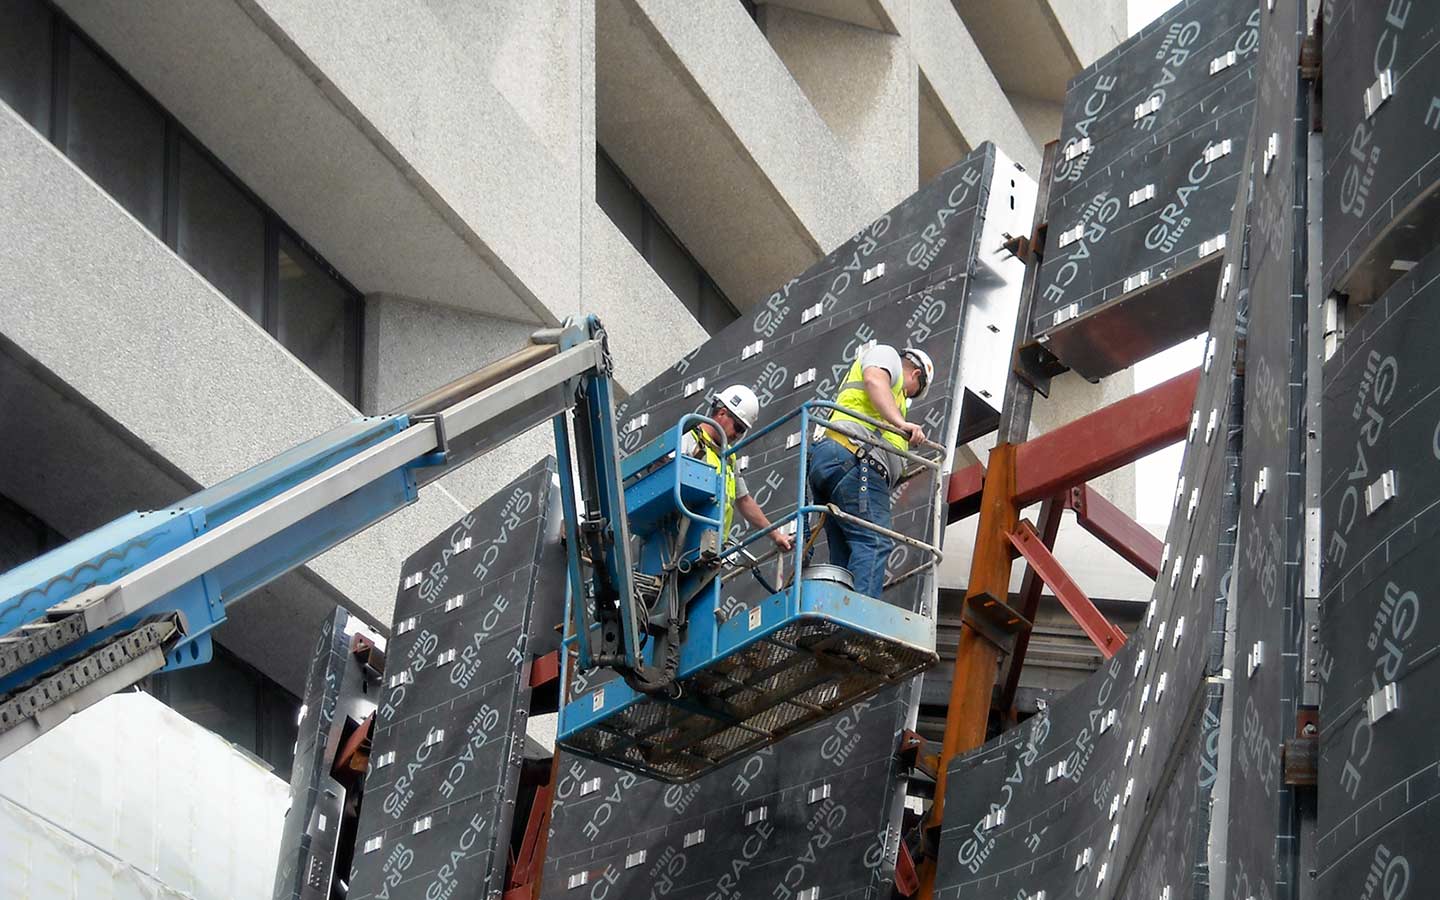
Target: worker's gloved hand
[783, 542]
[913, 433]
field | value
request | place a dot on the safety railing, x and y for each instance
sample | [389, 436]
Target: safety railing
[681, 428]
[804, 509]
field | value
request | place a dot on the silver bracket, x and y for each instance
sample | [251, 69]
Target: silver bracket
[1384, 702]
[1379, 92]
[1223, 62]
[1381, 492]
[1076, 150]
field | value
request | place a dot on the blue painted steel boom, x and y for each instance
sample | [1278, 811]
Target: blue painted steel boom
[691, 688]
[144, 592]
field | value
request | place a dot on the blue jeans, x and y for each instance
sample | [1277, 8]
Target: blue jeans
[858, 488]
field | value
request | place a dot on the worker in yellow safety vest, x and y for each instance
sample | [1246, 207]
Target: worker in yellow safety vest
[735, 410]
[857, 477]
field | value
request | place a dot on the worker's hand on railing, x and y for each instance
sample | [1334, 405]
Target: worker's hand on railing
[782, 541]
[913, 433]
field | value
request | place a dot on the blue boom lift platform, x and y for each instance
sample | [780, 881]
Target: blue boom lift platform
[687, 689]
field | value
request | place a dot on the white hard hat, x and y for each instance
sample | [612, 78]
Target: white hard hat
[927, 368]
[742, 403]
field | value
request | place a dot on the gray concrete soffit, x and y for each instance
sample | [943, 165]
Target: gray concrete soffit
[315, 72]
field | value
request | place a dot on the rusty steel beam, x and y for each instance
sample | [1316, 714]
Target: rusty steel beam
[1086, 448]
[977, 659]
[1116, 530]
[962, 493]
[545, 669]
[1028, 602]
[1091, 621]
[1104, 440]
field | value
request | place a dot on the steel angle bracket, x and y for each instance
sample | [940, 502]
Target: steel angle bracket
[1300, 755]
[996, 621]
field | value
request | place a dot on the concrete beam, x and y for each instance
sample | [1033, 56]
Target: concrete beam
[962, 83]
[1036, 46]
[374, 130]
[132, 382]
[703, 117]
[878, 15]
[864, 84]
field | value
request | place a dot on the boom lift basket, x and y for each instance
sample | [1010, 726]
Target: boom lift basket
[746, 677]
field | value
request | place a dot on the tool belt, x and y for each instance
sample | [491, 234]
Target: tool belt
[865, 453]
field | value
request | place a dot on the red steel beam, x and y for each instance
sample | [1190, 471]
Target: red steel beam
[962, 493]
[1098, 628]
[545, 669]
[1087, 448]
[1104, 440]
[1028, 603]
[1116, 530]
[527, 862]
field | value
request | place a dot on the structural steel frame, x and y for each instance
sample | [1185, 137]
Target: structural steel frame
[1052, 469]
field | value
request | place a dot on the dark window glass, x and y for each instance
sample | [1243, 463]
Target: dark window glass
[638, 221]
[316, 317]
[620, 203]
[221, 232]
[715, 311]
[675, 268]
[25, 60]
[116, 134]
[238, 703]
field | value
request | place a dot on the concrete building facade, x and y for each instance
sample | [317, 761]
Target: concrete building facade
[228, 225]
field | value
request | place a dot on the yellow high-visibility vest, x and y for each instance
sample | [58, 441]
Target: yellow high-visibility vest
[712, 457]
[853, 396]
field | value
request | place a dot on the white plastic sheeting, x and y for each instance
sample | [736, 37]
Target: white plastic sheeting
[129, 799]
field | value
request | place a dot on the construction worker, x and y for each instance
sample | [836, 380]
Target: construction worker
[857, 477]
[735, 410]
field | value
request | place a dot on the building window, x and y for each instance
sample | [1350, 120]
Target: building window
[114, 132]
[220, 231]
[25, 60]
[654, 240]
[67, 88]
[315, 317]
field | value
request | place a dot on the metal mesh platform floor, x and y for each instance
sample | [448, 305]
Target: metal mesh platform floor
[810, 669]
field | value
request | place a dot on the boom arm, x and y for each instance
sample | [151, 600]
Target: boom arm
[143, 592]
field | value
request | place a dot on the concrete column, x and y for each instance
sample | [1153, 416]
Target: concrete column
[412, 347]
[1040, 115]
[864, 84]
[1072, 397]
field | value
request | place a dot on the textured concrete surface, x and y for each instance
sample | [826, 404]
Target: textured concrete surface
[963, 83]
[1041, 117]
[384, 146]
[649, 329]
[1092, 27]
[940, 144]
[396, 69]
[864, 85]
[1036, 46]
[879, 15]
[1072, 397]
[183, 378]
[702, 116]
